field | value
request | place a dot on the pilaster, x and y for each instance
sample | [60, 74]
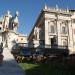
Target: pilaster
[46, 33]
[58, 33]
[70, 42]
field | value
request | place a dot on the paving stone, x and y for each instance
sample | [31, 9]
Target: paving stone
[9, 65]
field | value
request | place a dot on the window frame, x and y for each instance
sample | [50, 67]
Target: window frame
[51, 27]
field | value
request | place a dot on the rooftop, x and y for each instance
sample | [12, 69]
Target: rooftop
[52, 10]
[57, 10]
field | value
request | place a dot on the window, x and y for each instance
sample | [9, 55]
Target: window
[64, 30]
[52, 29]
[73, 20]
[52, 26]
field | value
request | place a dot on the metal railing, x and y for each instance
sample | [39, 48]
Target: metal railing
[49, 46]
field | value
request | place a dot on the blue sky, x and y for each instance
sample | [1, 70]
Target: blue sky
[30, 9]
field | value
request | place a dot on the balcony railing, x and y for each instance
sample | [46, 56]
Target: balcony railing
[49, 46]
[53, 46]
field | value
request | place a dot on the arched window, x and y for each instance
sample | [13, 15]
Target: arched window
[52, 26]
[52, 29]
[64, 28]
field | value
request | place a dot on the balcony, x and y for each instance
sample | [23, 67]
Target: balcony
[59, 50]
[55, 49]
[53, 46]
[50, 46]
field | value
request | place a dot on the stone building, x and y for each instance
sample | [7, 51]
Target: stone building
[22, 40]
[8, 29]
[54, 29]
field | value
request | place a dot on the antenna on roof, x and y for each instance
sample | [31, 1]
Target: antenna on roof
[57, 7]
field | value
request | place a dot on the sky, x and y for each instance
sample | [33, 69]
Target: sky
[29, 10]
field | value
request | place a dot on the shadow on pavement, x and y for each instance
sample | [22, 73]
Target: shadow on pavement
[10, 67]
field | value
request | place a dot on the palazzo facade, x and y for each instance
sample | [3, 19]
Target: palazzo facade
[54, 28]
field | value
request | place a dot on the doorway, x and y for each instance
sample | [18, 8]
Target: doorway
[53, 42]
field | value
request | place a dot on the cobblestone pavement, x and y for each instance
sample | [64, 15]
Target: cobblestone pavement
[9, 65]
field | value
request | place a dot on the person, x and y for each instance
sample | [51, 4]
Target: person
[1, 55]
[1, 48]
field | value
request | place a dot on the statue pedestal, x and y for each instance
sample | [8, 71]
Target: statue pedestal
[7, 55]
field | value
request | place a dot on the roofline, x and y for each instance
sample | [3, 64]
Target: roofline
[36, 23]
[47, 10]
[58, 12]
